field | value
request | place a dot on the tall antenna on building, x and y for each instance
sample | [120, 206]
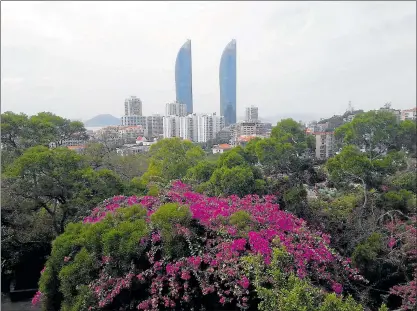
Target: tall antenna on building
[350, 107]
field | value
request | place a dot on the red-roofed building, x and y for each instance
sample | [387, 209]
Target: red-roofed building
[221, 148]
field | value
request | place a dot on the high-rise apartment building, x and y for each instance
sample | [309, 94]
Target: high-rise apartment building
[197, 128]
[154, 126]
[227, 81]
[183, 76]
[176, 109]
[133, 106]
[251, 114]
[189, 127]
[208, 126]
[132, 120]
[325, 145]
[171, 126]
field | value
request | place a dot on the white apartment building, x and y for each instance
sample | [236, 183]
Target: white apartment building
[197, 128]
[175, 109]
[208, 126]
[251, 114]
[408, 114]
[171, 126]
[189, 127]
[154, 126]
[325, 145]
[132, 120]
[133, 106]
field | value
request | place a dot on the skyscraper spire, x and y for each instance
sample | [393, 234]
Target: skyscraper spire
[183, 76]
[227, 81]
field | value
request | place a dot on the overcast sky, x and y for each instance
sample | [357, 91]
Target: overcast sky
[80, 59]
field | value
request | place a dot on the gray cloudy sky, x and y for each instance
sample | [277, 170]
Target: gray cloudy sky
[79, 59]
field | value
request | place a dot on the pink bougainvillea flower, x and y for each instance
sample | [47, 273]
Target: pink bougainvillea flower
[37, 298]
[391, 242]
[214, 264]
[337, 288]
[244, 282]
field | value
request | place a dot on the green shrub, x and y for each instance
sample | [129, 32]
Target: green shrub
[153, 190]
[169, 214]
[76, 256]
[80, 270]
[164, 219]
[242, 221]
[284, 291]
[122, 241]
[334, 303]
[368, 250]
[405, 181]
[403, 200]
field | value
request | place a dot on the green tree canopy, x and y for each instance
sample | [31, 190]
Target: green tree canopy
[171, 158]
[19, 132]
[59, 181]
[378, 132]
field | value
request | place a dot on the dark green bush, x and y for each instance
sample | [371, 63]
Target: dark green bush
[76, 255]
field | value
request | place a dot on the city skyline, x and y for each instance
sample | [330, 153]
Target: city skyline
[290, 60]
[227, 83]
[184, 76]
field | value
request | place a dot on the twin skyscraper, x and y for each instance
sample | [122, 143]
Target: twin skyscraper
[227, 80]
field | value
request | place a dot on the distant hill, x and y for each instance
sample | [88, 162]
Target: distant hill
[102, 120]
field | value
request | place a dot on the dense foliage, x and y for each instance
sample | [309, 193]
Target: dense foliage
[250, 206]
[183, 250]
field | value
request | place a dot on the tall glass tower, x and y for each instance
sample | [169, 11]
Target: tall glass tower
[183, 76]
[227, 79]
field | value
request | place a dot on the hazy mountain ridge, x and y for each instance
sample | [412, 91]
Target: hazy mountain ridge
[102, 120]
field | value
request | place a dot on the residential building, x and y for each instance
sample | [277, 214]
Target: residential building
[325, 145]
[197, 128]
[242, 140]
[221, 148]
[176, 109]
[227, 81]
[183, 76]
[68, 143]
[251, 114]
[189, 127]
[154, 126]
[119, 134]
[145, 142]
[408, 114]
[171, 126]
[132, 120]
[130, 132]
[317, 127]
[251, 128]
[133, 106]
[224, 134]
[208, 126]
[129, 149]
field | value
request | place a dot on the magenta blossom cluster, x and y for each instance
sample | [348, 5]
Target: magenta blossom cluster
[214, 267]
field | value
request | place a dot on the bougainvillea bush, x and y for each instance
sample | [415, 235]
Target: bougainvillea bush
[182, 250]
